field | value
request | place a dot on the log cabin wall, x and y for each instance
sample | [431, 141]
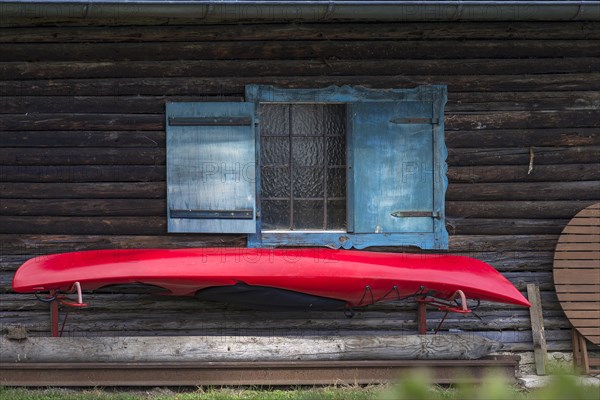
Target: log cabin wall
[83, 152]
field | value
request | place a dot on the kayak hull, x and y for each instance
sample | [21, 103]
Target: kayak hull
[350, 278]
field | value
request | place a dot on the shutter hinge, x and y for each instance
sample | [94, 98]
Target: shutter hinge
[212, 214]
[403, 121]
[210, 121]
[404, 214]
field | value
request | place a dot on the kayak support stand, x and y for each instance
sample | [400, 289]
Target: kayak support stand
[54, 318]
[55, 299]
[422, 317]
[423, 301]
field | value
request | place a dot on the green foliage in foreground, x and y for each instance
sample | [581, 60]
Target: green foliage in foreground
[493, 387]
[413, 387]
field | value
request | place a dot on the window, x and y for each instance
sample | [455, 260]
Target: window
[303, 166]
[338, 167]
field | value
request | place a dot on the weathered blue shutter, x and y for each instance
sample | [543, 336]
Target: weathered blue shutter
[395, 183]
[211, 167]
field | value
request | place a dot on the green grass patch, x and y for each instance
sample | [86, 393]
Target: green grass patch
[326, 393]
[417, 386]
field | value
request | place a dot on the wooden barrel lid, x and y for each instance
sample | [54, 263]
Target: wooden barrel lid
[577, 272]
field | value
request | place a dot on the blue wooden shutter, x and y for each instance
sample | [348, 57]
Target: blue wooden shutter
[395, 174]
[211, 167]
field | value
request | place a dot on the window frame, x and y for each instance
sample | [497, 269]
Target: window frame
[436, 94]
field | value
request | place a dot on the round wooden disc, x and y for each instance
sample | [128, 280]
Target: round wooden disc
[577, 272]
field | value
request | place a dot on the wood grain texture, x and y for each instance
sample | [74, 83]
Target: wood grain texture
[301, 31]
[248, 348]
[297, 50]
[101, 225]
[458, 102]
[105, 208]
[49, 244]
[585, 190]
[86, 190]
[82, 173]
[520, 137]
[82, 156]
[558, 209]
[519, 173]
[24, 70]
[85, 137]
[234, 86]
[85, 152]
[201, 323]
[577, 272]
[521, 155]
[540, 348]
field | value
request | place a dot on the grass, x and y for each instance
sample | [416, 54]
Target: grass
[414, 387]
[327, 393]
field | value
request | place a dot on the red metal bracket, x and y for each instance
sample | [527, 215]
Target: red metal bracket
[441, 305]
[61, 299]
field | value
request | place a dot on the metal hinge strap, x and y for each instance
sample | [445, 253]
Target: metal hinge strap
[212, 214]
[415, 120]
[430, 214]
[210, 121]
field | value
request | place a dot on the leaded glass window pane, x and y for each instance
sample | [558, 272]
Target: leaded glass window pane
[303, 166]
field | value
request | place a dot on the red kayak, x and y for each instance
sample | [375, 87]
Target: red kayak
[309, 278]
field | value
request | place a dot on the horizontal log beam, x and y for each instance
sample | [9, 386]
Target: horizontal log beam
[83, 69]
[521, 101]
[112, 190]
[246, 348]
[457, 102]
[521, 173]
[82, 156]
[71, 225]
[104, 208]
[495, 226]
[340, 31]
[88, 322]
[157, 225]
[49, 244]
[82, 173]
[517, 341]
[106, 303]
[84, 137]
[157, 207]
[78, 122]
[585, 190]
[226, 86]
[521, 119]
[298, 50]
[459, 243]
[520, 137]
[522, 156]
[512, 340]
[516, 209]
[150, 122]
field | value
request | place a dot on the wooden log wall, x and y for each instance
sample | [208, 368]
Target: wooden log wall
[82, 163]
